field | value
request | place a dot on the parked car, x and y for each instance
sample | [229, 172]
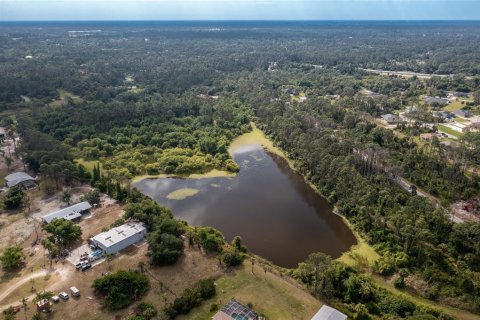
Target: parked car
[63, 295]
[55, 298]
[75, 292]
[86, 266]
[79, 265]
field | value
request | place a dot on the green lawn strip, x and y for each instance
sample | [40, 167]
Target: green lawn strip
[450, 131]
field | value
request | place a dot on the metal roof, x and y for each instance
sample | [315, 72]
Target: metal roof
[118, 234]
[17, 177]
[68, 213]
[329, 313]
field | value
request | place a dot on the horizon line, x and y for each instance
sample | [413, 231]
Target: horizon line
[241, 20]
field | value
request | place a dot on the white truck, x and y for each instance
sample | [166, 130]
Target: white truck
[75, 292]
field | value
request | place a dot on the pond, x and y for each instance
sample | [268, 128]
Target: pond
[277, 214]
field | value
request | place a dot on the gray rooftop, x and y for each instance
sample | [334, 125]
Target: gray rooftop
[118, 234]
[17, 177]
[236, 310]
[439, 100]
[69, 213]
[329, 313]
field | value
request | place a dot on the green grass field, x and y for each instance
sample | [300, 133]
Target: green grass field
[271, 295]
[88, 164]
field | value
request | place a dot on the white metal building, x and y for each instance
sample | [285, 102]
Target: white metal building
[69, 213]
[120, 237]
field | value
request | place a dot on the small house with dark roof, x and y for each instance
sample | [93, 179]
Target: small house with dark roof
[22, 179]
[329, 313]
[234, 310]
[463, 113]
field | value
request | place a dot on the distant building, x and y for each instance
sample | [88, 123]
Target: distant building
[427, 136]
[70, 213]
[234, 310]
[463, 113]
[460, 94]
[329, 313]
[450, 144]
[22, 179]
[120, 237]
[459, 127]
[411, 109]
[438, 100]
[446, 115]
[390, 118]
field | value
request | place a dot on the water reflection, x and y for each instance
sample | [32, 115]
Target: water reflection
[270, 206]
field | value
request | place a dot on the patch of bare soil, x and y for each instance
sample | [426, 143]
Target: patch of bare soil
[468, 210]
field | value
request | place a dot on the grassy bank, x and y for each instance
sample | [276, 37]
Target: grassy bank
[271, 295]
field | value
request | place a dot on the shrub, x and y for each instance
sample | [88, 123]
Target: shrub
[232, 258]
[210, 239]
[191, 298]
[14, 197]
[399, 282]
[121, 288]
[12, 257]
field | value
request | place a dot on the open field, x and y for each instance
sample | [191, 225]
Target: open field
[88, 164]
[271, 295]
[63, 95]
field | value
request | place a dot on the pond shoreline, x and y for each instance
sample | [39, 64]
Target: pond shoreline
[259, 138]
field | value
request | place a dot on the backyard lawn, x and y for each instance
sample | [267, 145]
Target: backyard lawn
[271, 295]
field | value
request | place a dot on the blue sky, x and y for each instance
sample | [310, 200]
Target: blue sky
[239, 10]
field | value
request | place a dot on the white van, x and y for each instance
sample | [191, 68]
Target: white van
[75, 292]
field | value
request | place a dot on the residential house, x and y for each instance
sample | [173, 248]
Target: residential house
[463, 113]
[390, 118]
[438, 100]
[329, 313]
[234, 310]
[22, 179]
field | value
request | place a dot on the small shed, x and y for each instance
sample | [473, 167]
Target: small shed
[329, 313]
[20, 178]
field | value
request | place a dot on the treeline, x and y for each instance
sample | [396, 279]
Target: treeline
[408, 232]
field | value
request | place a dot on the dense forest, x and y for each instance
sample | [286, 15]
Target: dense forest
[152, 99]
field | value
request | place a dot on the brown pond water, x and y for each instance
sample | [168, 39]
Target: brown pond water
[270, 206]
